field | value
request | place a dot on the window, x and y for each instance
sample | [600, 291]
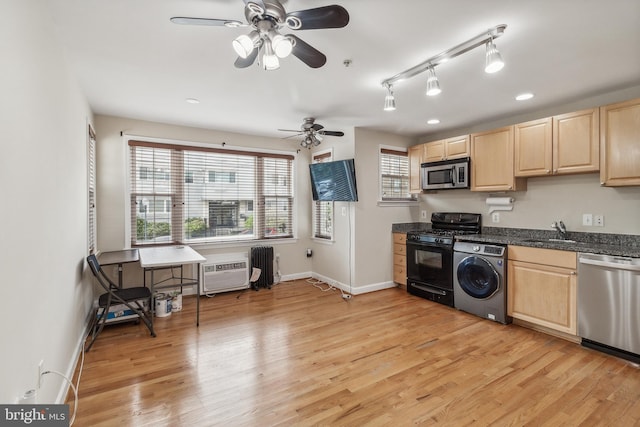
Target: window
[394, 175]
[323, 211]
[91, 186]
[185, 194]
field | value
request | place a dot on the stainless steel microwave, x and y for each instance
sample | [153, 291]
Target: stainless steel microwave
[445, 175]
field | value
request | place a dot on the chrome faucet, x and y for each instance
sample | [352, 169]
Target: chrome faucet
[560, 228]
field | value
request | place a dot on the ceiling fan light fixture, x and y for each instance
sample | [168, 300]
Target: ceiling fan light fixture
[244, 44]
[269, 59]
[493, 59]
[433, 85]
[282, 45]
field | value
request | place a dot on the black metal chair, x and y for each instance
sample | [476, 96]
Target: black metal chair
[114, 295]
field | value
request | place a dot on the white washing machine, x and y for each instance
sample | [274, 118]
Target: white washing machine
[480, 280]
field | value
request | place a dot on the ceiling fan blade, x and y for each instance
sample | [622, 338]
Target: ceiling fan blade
[290, 130]
[322, 17]
[248, 61]
[307, 53]
[331, 133]
[207, 21]
[317, 126]
[292, 136]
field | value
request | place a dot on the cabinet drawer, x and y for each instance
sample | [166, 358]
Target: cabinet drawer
[399, 260]
[552, 257]
[399, 249]
[400, 238]
[400, 275]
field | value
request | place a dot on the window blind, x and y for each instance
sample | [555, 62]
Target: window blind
[394, 175]
[91, 186]
[185, 194]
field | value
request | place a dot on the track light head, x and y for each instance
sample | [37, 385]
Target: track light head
[433, 85]
[493, 59]
[389, 100]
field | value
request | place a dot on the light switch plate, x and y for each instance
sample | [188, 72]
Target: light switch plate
[587, 220]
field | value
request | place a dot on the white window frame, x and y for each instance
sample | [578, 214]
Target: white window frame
[234, 243]
[412, 200]
[316, 204]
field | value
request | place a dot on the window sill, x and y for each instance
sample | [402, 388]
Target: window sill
[242, 243]
[393, 203]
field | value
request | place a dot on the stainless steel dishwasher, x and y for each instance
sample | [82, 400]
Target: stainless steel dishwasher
[609, 304]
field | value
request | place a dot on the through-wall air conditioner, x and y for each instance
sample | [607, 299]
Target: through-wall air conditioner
[225, 272]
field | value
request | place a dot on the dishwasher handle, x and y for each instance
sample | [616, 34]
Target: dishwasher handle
[616, 265]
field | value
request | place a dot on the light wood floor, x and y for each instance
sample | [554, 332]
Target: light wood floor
[295, 355]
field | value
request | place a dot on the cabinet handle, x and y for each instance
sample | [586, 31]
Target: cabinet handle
[555, 171]
[573, 273]
[548, 171]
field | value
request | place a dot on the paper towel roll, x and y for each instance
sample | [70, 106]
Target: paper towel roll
[499, 201]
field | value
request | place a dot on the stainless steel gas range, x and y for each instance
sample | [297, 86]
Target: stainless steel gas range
[430, 255]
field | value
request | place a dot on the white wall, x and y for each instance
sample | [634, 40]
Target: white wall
[550, 199]
[112, 170]
[45, 291]
[373, 239]
[360, 255]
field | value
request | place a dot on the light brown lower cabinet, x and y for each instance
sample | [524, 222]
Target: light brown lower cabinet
[542, 288]
[400, 258]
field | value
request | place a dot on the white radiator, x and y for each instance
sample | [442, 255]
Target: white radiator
[225, 272]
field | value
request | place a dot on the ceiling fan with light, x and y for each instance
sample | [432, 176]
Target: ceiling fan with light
[268, 17]
[312, 132]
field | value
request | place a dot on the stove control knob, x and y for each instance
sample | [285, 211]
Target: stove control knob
[476, 248]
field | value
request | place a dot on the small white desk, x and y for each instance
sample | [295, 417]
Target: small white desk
[169, 257]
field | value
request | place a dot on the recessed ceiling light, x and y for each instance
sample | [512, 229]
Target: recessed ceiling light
[433, 121]
[524, 96]
[192, 101]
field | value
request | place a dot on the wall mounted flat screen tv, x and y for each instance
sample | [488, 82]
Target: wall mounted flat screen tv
[334, 181]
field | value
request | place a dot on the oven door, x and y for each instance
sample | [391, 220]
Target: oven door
[430, 272]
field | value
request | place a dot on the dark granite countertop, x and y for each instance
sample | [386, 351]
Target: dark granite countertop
[598, 243]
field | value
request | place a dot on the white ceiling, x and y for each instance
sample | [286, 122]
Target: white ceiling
[131, 61]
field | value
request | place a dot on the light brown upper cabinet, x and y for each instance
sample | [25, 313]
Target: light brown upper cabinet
[446, 149]
[492, 161]
[563, 144]
[620, 143]
[415, 160]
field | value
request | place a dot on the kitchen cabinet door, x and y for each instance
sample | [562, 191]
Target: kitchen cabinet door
[620, 144]
[415, 160]
[492, 161]
[576, 142]
[542, 288]
[533, 148]
[446, 149]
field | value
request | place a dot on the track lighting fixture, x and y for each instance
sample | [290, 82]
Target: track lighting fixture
[493, 59]
[433, 86]
[389, 100]
[493, 63]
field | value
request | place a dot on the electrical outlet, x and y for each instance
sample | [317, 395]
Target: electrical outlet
[598, 220]
[587, 220]
[40, 371]
[344, 211]
[495, 217]
[277, 257]
[423, 214]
